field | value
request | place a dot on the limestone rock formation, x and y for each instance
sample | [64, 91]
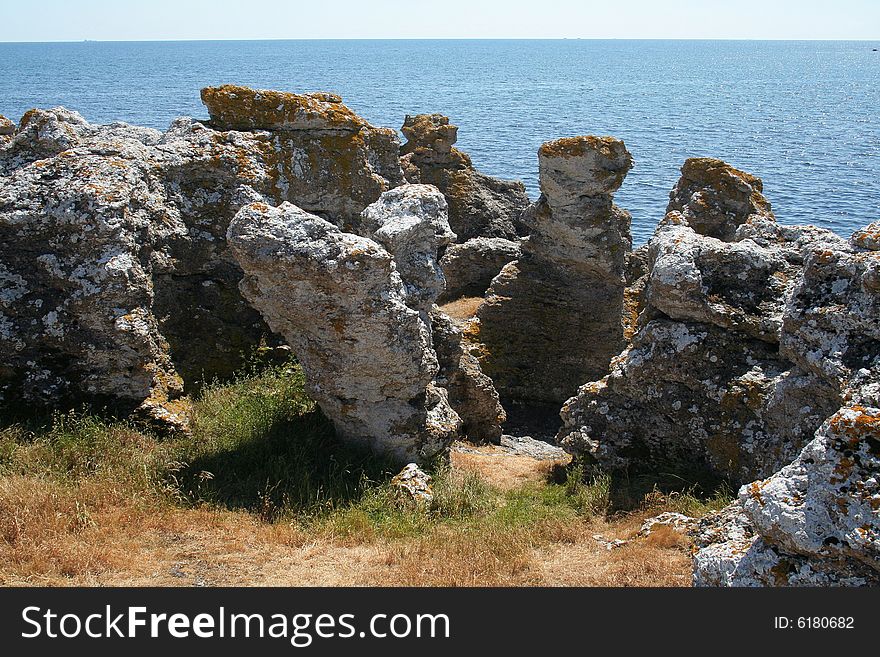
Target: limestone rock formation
[814, 523]
[7, 129]
[709, 363]
[714, 199]
[117, 283]
[471, 393]
[479, 205]
[341, 303]
[817, 520]
[554, 317]
[470, 267]
[75, 259]
[412, 223]
[320, 155]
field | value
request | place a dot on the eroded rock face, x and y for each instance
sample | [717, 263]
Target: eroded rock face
[708, 363]
[714, 199]
[76, 291]
[479, 205]
[412, 223]
[814, 523]
[320, 155]
[342, 305]
[817, 520]
[471, 393]
[554, 316]
[7, 129]
[117, 283]
[470, 267]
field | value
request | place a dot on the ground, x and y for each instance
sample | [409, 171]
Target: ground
[262, 494]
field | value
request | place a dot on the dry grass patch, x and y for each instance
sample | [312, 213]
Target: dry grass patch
[262, 494]
[462, 309]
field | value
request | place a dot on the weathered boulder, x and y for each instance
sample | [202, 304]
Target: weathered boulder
[412, 223]
[479, 205]
[320, 155]
[7, 128]
[814, 523]
[817, 520]
[137, 221]
[714, 199]
[341, 303]
[76, 252]
[708, 363]
[470, 267]
[555, 316]
[471, 393]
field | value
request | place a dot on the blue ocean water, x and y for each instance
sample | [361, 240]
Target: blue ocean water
[804, 116]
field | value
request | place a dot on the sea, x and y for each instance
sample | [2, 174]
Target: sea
[802, 115]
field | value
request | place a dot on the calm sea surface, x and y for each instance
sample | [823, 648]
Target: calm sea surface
[804, 116]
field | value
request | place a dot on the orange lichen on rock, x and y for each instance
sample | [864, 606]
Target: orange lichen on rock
[234, 107]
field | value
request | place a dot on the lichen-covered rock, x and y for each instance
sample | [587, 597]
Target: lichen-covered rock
[471, 393]
[718, 361]
[412, 223]
[42, 134]
[714, 199]
[321, 155]
[81, 195]
[341, 304]
[827, 502]
[868, 238]
[76, 294]
[414, 484]
[470, 267]
[717, 402]
[730, 553]
[814, 523]
[479, 205]
[7, 129]
[555, 316]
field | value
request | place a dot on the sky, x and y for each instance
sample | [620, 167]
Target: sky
[122, 20]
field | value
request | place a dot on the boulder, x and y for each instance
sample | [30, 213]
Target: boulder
[554, 317]
[479, 205]
[320, 155]
[714, 199]
[708, 362]
[128, 274]
[7, 129]
[471, 393]
[816, 521]
[340, 302]
[412, 223]
[76, 292]
[470, 267]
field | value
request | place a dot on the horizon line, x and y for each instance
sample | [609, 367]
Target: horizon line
[246, 40]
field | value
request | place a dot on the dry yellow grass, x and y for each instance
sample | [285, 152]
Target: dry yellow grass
[462, 309]
[93, 535]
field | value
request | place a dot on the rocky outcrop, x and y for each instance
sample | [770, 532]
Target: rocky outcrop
[7, 129]
[118, 285]
[817, 520]
[412, 223]
[342, 305]
[470, 267]
[471, 393]
[479, 205]
[554, 316]
[814, 523]
[708, 363]
[320, 155]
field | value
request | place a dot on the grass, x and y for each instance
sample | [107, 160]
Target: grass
[262, 492]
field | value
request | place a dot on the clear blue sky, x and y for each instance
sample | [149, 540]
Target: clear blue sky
[74, 20]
